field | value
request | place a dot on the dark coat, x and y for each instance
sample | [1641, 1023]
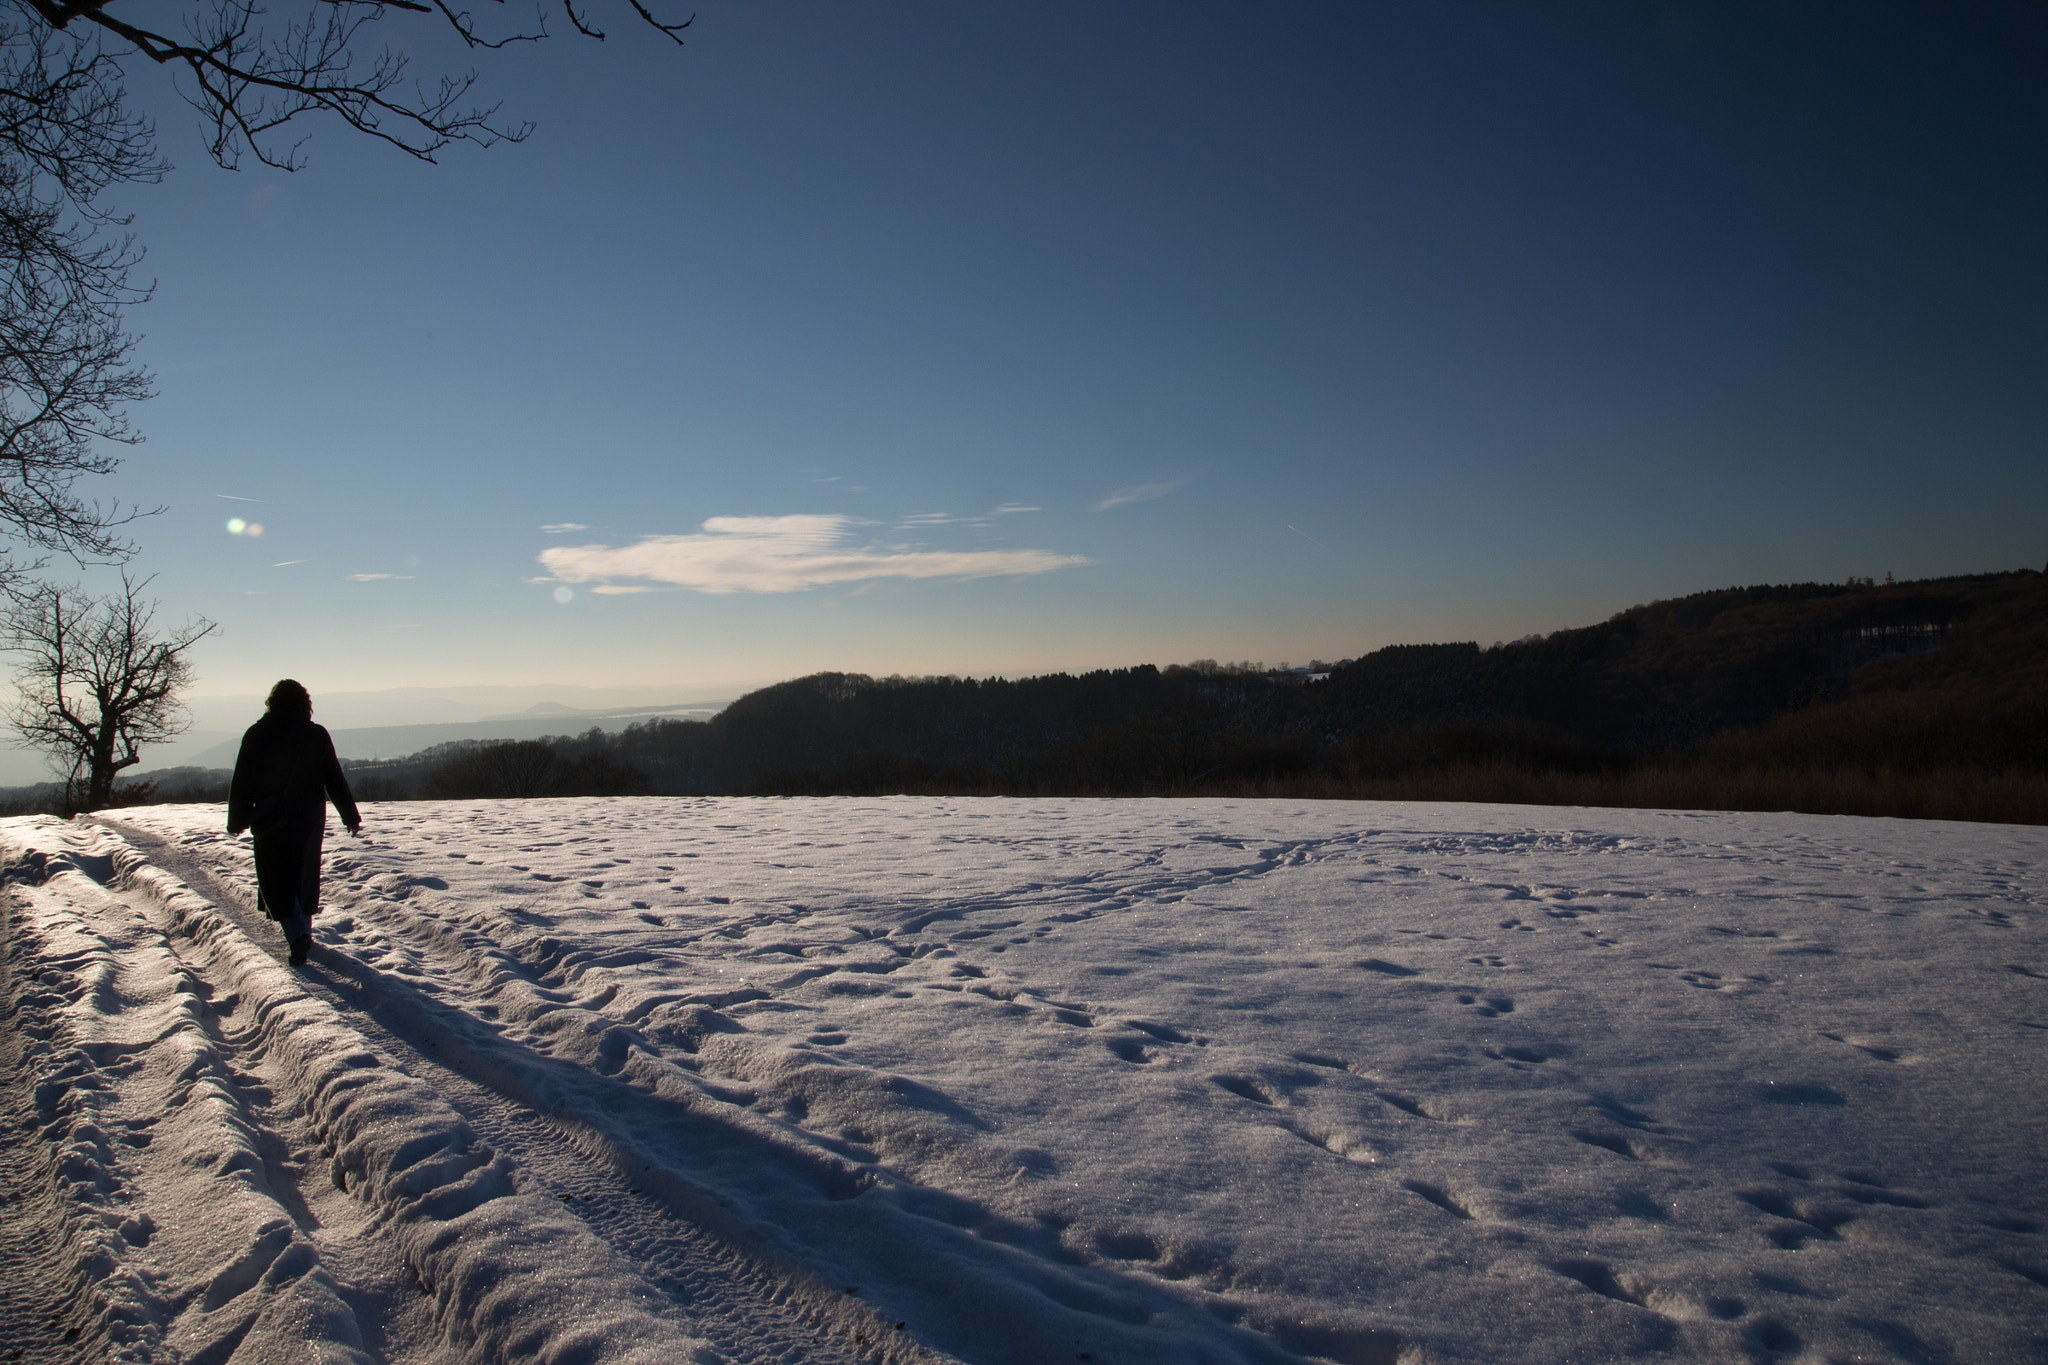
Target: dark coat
[285, 775]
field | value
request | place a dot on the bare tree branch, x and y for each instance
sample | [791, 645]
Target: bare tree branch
[248, 79]
[674, 31]
[67, 135]
[577, 19]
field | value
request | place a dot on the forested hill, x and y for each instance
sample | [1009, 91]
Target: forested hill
[1938, 676]
[1667, 677]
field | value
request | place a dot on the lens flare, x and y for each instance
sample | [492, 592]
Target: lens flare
[255, 528]
[236, 526]
[564, 594]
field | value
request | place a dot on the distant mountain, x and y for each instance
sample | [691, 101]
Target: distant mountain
[394, 741]
[218, 719]
[541, 708]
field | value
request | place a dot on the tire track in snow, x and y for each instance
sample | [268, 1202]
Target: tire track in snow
[40, 1308]
[743, 1299]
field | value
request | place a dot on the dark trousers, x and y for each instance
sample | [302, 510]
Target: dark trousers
[288, 877]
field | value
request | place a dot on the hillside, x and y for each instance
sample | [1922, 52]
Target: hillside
[1925, 698]
[1925, 684]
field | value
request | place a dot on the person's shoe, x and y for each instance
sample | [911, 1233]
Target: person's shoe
[301, 946]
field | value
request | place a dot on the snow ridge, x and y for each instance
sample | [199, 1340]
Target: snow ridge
[120, 1000]
[502, 1265]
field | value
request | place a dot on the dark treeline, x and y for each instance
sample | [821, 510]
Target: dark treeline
[168, 785]
[1926, 699]
[1921, 699]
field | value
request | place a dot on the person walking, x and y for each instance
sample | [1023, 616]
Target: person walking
[285, 775]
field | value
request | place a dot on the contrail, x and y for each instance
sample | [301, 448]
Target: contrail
[232, 498]
[1309, 538]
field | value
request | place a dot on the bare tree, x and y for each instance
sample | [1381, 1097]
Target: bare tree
[249, 75]
[96, 680]
[68, 135]
[65, 137]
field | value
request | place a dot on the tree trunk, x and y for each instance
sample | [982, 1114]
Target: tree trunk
[99, 782]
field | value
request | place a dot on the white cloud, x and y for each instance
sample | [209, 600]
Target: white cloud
[918, 521]
[376, 577]
[557, 528]
[1143, 492]
[777, 554]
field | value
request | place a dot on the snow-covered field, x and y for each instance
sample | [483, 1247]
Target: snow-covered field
[1034, 1081]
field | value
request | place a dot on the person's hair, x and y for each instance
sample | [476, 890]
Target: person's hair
[289, 698]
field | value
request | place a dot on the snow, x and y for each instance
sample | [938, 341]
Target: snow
[662, 1079]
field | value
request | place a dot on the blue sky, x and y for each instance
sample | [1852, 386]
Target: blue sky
[941, 338]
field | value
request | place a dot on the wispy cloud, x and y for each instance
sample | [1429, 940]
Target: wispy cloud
[556, 528]
[1143, 492]
[918, 521]
[286, 563]
[376, 577]
[777, 554]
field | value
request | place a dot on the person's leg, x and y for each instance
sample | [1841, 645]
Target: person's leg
[280, 864]
[299, 929]
[296, 927]
[309, 871]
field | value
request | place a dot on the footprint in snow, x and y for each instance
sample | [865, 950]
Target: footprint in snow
[1438, 1196]
[1803, 1220]
[1627, 1117]
[1714, 981]
[1246, 1087]
[1422, 1109]
[1870, 1048]
[1632, 1146]
[1601, 1279]
[1861, 1186]
[1140, 1053]
[1799, 1093]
